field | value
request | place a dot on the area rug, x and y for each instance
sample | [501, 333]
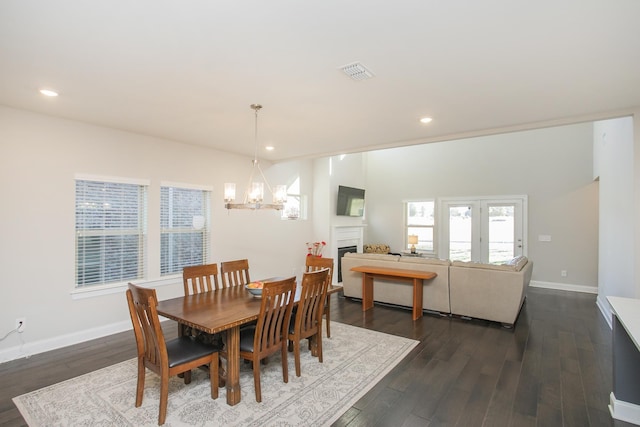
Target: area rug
[355, 359]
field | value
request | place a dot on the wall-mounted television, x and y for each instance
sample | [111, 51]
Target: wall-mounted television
[350, 201]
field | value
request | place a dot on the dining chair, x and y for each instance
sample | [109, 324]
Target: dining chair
[165, 358]
[269, 334]
[308, 317]
[314, 263]
[200, 278]
[235, 273]
[197, 279]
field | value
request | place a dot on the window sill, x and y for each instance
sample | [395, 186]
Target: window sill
[114, 288]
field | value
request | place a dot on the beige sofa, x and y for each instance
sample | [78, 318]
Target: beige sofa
[489, 291]
[484, 291]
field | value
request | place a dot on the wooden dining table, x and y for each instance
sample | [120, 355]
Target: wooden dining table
[216, 311]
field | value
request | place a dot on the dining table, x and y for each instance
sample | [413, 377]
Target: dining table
[220, 310]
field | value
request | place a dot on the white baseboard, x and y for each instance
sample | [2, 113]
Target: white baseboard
[29, 349]
[564, 287]
[624, 411]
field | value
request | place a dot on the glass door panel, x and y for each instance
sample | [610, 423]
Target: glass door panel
[501, 239]
[460, 229]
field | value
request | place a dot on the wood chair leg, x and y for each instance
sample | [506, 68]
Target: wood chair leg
[214, 376]
[296, 356]
[164, 398]
[256, 380]
[327, 313]
[140, 385]
[285, 362]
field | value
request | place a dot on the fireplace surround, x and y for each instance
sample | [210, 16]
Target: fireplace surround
[345, 239]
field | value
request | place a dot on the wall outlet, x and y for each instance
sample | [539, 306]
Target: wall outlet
[21, 324]
[563, 273]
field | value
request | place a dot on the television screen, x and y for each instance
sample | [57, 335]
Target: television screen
[350, 201]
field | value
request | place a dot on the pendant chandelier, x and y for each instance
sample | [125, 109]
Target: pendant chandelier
[254, 193]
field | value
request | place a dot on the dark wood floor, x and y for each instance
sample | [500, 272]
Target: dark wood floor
[552, 369]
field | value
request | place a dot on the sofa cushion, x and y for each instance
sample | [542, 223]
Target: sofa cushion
[518, 262]
[376, 248]
[382, 257]
[515, 264]
[419, 260]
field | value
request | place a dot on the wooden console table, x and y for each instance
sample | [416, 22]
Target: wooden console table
[413, 276]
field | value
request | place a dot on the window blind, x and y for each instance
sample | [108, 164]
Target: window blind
[110, 232]
[185, 228]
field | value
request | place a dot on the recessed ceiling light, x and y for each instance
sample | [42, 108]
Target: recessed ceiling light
[426, 120]
[269, 148]
[47, 92]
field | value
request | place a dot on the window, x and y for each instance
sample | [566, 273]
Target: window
[185, 229]
[420, 222]
[294, 207]
[111, 231]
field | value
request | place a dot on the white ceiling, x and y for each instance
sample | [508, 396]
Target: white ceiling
[188, 70]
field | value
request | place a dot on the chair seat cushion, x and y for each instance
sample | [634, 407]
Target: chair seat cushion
[185, 349]
[246, 338]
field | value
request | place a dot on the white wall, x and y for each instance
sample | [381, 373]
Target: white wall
[614, 157]
[39, 159]
[552, 166]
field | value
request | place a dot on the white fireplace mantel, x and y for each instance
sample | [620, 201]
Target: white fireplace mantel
[346, 235]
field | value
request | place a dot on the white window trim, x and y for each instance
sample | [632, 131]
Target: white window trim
[434, 227]
[112, 179]
[186, 186]
[121, 287]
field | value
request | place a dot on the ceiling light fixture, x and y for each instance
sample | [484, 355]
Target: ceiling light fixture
[47, 92]
[426, 120]
[254, 194]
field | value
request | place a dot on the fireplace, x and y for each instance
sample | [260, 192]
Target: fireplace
[341, 252]
[344, 238]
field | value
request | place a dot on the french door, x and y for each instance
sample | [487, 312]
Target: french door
[489, 230]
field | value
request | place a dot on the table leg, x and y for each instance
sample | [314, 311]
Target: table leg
[367, 291]
[417, 298]
[233, 365]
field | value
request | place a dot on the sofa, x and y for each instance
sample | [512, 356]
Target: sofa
[493, 292]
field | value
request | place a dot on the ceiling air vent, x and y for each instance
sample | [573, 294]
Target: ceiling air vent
[357, 71]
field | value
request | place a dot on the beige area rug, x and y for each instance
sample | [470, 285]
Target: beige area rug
[355, 359]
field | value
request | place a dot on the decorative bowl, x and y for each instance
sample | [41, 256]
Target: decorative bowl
[255, 288]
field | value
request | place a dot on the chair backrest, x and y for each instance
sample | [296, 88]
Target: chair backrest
[200, 278]
[146, 327]
[311, 305]
[235, 273]
[314, 263]
[275, 315]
